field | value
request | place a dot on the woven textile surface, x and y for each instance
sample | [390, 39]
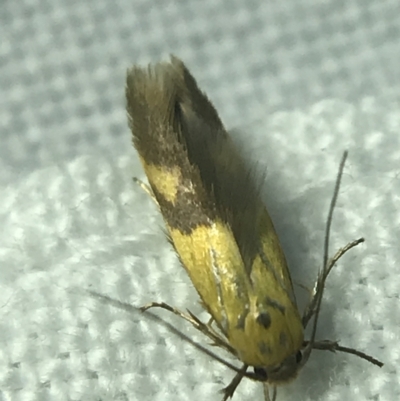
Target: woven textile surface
[297, 82]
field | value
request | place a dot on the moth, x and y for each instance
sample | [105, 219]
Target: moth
[221, 230]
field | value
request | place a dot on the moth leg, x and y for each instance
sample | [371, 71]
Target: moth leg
[208, 330]
[230, 389]
[195, 322]
[333, 346]
[210, 324]
[169, 308]
[311, 308]
[146, 188]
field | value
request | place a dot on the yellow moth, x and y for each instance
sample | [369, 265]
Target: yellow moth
[220, 228]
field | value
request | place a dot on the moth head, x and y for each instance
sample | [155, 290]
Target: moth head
[282, 373]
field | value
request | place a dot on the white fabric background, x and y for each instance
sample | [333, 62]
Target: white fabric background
[300, 82]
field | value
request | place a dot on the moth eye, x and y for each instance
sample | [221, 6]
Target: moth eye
[261, 374]
[299, 357]
[264, 319]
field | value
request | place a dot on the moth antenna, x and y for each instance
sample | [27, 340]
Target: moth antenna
[327, 267]
[326, 253]
[267, 395]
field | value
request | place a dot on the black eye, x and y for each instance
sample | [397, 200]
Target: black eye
[299, 357]
[261, 374]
